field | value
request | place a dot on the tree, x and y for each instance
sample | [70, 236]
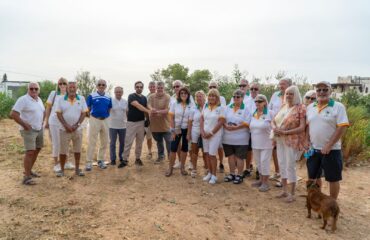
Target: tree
[86, 83]
[156, 76]
[174, 72]
[280, 75]
[199, 80]
[238, 75]
[5, 77]
[46, 86]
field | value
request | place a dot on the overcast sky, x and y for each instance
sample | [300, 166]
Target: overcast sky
[126, 41]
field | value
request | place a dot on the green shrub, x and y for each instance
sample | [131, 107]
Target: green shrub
[6, 104]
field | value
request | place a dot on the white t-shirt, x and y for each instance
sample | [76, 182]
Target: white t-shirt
[53, 119]
[195, 118]
[211, 117]
[238, 117]
[323, 123]
[118, 115]
[260, 128]
[181, 114]
[31, 111]
[71, 110]
[276, 102]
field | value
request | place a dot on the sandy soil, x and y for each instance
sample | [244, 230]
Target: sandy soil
[135, 203]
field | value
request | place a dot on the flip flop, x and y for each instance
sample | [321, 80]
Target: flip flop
[28, 181]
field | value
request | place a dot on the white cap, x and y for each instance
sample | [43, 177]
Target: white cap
[326, 83]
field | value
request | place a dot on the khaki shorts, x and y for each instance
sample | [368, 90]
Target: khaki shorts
[32, 139]
[65, 139]
[148, 133]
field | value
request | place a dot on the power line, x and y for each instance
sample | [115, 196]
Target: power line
[22, 73]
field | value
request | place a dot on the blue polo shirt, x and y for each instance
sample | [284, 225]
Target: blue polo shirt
[99, 104]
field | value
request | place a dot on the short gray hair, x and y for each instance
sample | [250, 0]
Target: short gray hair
[238, 92]
[177, 81]
[160, 84]
[288, 80]
[152, 83]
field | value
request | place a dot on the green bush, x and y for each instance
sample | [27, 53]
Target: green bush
[6, 104]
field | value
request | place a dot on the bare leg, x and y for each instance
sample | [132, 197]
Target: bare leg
[77, 161]
[232, 164]
[149, 142]
[62, 158]
[34, 157]
[334, 189]
[249, 160]
[221, 155]
[213, 163]
[194, 155]
[170, 166]
[276, 163]
[182, 161]
[240, 165]
[27, 162]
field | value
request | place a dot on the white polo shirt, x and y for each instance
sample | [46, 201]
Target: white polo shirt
[251, 105]
[324, 121]
[31, 111]
[195, 115]
[71, 110]
[53, 119]
[276, 102]
[260, 128]
[181, 113]
[118, 116]
[238, 117]
[211, 117]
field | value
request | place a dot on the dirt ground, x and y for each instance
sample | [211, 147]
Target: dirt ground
[133, 203]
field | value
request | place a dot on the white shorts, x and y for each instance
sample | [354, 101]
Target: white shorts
[211, 145]
[55, 139]
[195, 134]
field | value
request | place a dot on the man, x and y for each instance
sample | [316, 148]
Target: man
[152, 88]
[71, 111]
[244, 87]
[214, 85]
[29, 113]
[277, 100]
[327, 122]
[99, 104]
[137, 108]
[159, 123]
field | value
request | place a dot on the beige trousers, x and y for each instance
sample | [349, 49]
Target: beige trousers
[134, 130]
[97, 127]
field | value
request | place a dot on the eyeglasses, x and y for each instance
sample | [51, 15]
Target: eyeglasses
[62, 83]
[322, 90]
[237, 96]
[254, 89]
[183, 93]
[33, 89]
[210, 87]
[101, 85]
[311, 98]
[242, 85]
[259, 101]
[177, 86]
[139, 87]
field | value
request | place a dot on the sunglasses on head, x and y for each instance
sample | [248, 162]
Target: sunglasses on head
[259, 101]
[33, 89]
[210, 87]
[242, 85]
[62, 83]
[254, 89]
[177, 86]
[101, 85]
[237, 96]
[311, 98]
[322, 90]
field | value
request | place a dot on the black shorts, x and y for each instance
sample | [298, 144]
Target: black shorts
[239, 151]
[332, 164]
[184, 142]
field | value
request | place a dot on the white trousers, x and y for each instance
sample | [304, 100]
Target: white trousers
[97, 128]
[55, 139]
[287, 157]
[263, 158]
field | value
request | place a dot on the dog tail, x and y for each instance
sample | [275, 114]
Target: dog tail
[335, 210]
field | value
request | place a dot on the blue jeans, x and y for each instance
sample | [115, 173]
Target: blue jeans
[113, 139]
[158, 137]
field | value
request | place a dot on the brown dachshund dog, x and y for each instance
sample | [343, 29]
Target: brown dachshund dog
[324, 205]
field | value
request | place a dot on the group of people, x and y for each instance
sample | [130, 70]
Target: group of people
[249, 127]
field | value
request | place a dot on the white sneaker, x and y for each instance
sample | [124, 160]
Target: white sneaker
[69, 166]
[213, 180]
[57, 168]
[206, 178]
[177, 164]
[190, 166]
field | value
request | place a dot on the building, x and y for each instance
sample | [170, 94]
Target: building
[10, 87]
[344, 84]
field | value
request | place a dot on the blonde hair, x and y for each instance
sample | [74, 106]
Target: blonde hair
[297, 95]
[216, 93]
[201, 93]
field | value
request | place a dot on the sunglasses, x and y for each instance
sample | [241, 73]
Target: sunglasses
[33, 89]
[237, 96]
[242, 85]
[176, 86]
[210, 87]
[259, 101]
[254, 89]
[311, 98]
[101, 85]
[62, 83]
[322, 90]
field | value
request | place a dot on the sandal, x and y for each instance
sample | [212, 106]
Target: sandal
[193, 173]
[184, 172]
[238, 179]
[35, 175]
[28, 181]
[282, 195]
[80, 173]
[229, 178]
[169, 172]
[60, 173]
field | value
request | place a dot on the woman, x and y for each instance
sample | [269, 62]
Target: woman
[179, 118]
[236, 136]
[52, 122]
[194, 130]
[262, 145]
[289, 131]
[309, 97]
[211, 123]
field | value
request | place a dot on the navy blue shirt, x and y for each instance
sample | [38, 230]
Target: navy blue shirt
[99, 104]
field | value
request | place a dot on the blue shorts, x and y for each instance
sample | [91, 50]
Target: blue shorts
[331, 163]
